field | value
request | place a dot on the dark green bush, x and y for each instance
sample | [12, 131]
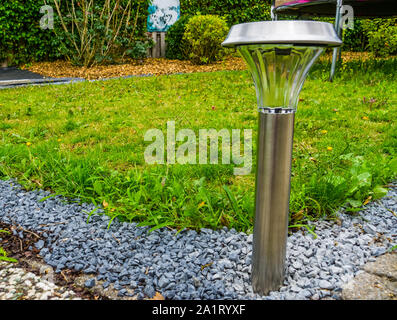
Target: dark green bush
[204, 35]
[138, 50]
[21, 39]
[355, 39]
[176, 49]
[234, 11]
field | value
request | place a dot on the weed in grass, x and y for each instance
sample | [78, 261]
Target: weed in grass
[5, 126]
[70, 125]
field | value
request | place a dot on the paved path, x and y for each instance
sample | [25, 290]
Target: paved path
[13, 77]
[378, 281]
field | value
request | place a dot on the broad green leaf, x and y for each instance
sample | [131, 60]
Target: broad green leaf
[379, 192]
[354, 203]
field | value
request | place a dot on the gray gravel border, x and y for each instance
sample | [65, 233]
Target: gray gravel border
[188, 265]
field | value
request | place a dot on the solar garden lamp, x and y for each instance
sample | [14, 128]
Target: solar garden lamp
[279, 55]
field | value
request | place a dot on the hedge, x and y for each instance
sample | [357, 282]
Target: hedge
[21, 38]
[382, 36]
[234, 11]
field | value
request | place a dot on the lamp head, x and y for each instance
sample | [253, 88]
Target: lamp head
[279, 55]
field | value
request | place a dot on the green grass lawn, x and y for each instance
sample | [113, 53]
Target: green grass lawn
[86, 140]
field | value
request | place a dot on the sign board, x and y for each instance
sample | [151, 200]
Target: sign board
[162, 15]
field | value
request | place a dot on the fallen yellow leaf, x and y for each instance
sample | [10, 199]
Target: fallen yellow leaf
[367, 200]
[153, 66]
[157, 296]
[206, 265]
[298, 215]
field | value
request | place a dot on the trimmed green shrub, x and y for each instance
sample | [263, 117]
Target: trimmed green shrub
[176, 48]
[382, 36]
[234, 11]
[204, 35]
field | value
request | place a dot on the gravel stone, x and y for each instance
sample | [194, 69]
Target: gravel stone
[190, 265]
[90, 283]
[369, 228]
[39, 244]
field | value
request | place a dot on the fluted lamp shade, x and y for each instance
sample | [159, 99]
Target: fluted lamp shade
[279, 55]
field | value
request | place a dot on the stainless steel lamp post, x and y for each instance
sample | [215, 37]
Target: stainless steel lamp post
[279, 55]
